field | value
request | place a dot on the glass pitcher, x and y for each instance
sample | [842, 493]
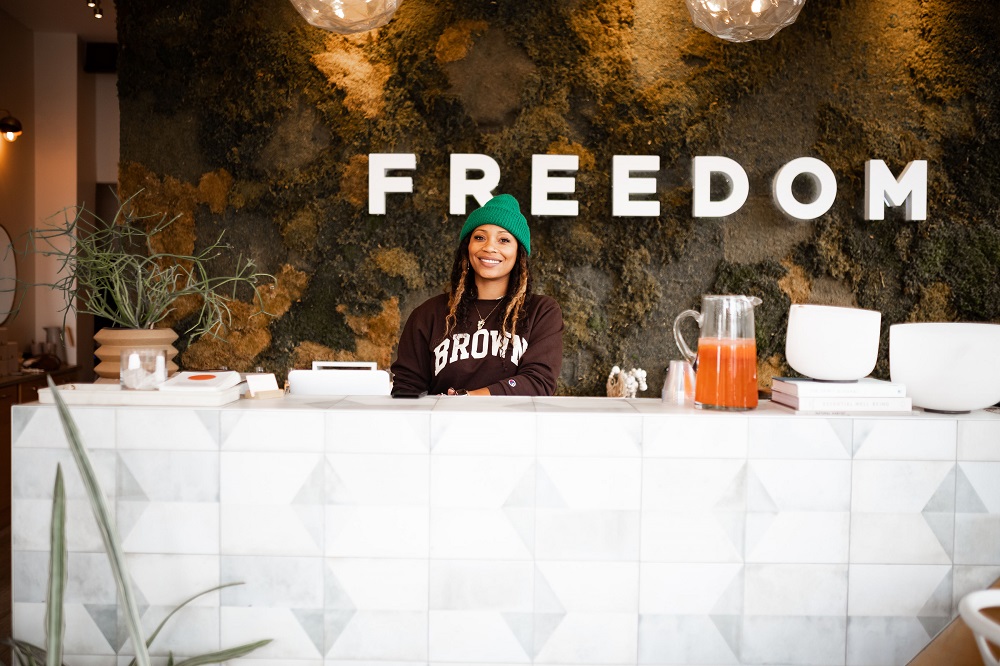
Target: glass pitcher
[726, 376]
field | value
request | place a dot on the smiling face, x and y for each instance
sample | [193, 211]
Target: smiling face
[492, 253]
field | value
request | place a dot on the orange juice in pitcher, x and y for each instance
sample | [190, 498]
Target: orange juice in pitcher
[727, 373]
[726, 376]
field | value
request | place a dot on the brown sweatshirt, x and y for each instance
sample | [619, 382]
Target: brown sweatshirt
[470, 359]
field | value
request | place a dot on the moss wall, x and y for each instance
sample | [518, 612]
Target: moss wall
[246, 119]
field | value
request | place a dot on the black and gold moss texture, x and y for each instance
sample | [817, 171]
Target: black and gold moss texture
[244, 118]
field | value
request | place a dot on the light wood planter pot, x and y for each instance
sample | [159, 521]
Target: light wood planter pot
[113, 340]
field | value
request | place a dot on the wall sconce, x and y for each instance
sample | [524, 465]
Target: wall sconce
[744, 20]
[10, 127]
[347, 16]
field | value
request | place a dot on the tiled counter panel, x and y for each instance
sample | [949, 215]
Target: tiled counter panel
[514, 531]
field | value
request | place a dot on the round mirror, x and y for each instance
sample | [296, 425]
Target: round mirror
[8, 275]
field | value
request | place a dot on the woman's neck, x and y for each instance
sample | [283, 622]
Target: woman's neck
[491, 290]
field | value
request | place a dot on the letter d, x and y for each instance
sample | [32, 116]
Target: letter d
[702, 169]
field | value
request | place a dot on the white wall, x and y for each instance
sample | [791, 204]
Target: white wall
[57, 68]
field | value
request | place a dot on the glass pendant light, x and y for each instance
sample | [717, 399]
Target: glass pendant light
[347, 16]
[744, 20]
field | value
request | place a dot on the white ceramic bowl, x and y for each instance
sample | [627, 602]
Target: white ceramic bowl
[948, 367]
[831, 343]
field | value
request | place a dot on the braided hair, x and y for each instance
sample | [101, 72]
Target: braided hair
[463, 290]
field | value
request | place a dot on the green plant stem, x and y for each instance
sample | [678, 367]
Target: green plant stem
[55, 623]
[223, 655]
[27, 653]
[156, 632]
[106, 526]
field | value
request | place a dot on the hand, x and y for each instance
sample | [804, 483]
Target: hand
[452, 391]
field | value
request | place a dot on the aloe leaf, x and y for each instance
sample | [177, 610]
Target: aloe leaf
[223, 655]
[149, 641]
[106, 526]
[55, 622]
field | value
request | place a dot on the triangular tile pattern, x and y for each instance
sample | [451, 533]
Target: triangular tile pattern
[132, 499]
[20, 420]
[334, 594]
[938, 604]
[943, 499]
[522, 626]
[967, 500]
[934, 625]
[545, 625]
[141, 602]
[311, 518]
[861, 432]
[127, 516]
[129, 488]
[939, 514]
[943, 527]
[105, 617]
[313, 623]
[758, 499]
[336, 490]
[730, 602]
[547, 495]
[734, 524]
[762, 522]
[211, 422]
[523, 522]
[734, 497]
[334, 623]
[523, 494]
[549, 612]
[313, 490]
[844, 430]
[340, 609]
[546, 600]
[729, 628]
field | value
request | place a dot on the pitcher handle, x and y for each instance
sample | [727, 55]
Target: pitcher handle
[685, 350]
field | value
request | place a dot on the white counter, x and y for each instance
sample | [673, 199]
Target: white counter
[516, 530]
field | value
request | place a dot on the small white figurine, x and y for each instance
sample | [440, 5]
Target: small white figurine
[625, 384]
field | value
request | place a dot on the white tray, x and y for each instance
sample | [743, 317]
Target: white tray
[112, 394]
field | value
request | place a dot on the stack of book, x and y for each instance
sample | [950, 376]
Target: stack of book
[809, 396]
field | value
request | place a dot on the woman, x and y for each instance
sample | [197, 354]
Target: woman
[489, 335]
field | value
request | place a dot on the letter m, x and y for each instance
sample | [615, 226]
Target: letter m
[883, 189]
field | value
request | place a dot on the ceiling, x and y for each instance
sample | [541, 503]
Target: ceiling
[72, 16]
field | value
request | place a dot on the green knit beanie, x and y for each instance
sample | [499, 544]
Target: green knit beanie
[503, 211]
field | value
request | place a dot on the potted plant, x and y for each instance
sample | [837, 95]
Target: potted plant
[117, 270]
